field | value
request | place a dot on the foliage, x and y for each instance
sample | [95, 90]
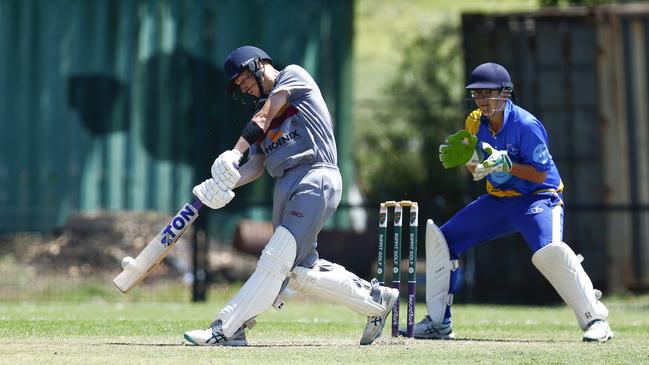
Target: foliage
[397, 140]
[548, 3]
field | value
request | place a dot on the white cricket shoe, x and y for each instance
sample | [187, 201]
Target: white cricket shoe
[214, 336]
[598, 330]
[427, 330]
[386, 297]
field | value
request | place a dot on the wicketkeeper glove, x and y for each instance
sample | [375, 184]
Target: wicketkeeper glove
[459, 149]
[211, 194]
[498, 161]
[225, 169]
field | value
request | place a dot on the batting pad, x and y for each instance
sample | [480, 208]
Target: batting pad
[438, 273]
[333, 282]
[559, 264]
[261, 289]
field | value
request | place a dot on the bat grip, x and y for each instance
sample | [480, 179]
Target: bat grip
[197, 204]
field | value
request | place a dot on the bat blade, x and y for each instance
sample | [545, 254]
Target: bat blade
[158, 248]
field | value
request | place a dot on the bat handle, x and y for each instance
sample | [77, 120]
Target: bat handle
[197, 204]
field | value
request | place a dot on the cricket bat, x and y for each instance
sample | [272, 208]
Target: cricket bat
[135, 270]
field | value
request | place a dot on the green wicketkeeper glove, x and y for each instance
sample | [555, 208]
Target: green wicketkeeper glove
[459, 149]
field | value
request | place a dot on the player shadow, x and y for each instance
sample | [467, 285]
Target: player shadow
[174, 108]
[140, 344]
[468, 339]
[96, 97]
[254, 345]
[303, 345]
[176, 103]
[402, 341]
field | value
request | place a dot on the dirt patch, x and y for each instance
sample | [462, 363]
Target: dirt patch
[94, 243]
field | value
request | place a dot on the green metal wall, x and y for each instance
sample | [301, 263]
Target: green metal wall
[121, 105]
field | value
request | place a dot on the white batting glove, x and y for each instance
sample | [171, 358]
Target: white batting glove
[476, 158]
[480, 172]
[498, 161]
[210, 194]
[225, 169]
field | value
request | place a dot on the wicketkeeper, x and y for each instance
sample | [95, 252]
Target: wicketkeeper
[291, 134]
[508, 146]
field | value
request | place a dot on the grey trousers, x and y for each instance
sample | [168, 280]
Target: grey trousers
[304, 198]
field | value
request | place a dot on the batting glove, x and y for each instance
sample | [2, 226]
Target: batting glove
[498, 161]
[225, 169]
[210, 194]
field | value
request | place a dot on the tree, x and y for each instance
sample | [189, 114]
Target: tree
[549, 3]
[397, 142]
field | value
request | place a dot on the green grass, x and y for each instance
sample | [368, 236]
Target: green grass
[108, 329]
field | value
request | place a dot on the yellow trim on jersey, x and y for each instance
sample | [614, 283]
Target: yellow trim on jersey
[501, 193]
[511, 193]
[559, 189]
[472, 122]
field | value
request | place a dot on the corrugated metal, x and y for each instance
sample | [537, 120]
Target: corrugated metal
[583, 72]
[121, 105]
[633, 37]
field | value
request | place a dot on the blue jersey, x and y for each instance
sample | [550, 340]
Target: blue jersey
[526, 142]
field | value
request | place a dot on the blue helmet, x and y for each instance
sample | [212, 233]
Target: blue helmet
[241, 59]
[490, 76]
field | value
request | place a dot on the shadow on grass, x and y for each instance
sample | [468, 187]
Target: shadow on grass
[468, 339]
[254, 345]
[400, 342]
[140, 344]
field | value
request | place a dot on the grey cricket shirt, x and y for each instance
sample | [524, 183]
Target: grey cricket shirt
[300, 151]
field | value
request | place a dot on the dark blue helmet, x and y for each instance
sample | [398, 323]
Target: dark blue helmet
[241, 59]
[490, 76]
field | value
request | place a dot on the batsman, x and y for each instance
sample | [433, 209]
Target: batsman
[506, 146]
[291, 135]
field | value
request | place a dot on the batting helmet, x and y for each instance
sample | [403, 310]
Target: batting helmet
[241, 59]
[490, 76]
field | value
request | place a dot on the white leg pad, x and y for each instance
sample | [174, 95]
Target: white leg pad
[438, 272]
[559, 264]
[334, 283]
[261, 289]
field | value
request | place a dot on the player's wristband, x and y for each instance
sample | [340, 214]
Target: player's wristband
[252, 132]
